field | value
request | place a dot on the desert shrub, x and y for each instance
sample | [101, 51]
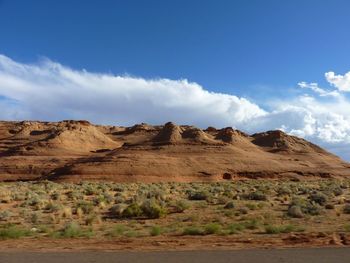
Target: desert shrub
[52, 207]
[299, 201]
[5, 196]
[251, 224]
[329, 206]
[91, 219]
[119, 200]
[270, 229]
[35, 200]
[74, 195]
[85, 206]
[235, 228]
[156, 194]
[91, 190]
[13, 231]
[18, 196]
[337, 191]
[212, 228]
[243, 210]
[312, 209]
[256, 196]
[153, 209]
[192, 231]
[156, 231]
[198, 195]
[295, 211]
[73, 229]
[180, 206]
[117, 230]
[346, 227]
[108, 198]
[34, 218]
[5, 215]
[119, 188]
[117, 210]
[307, 206]
[131, 233]
[318, 198]
[132, 210]
[229, 205]
[55, 196]
[251, 206]
[346, 209]
[283, 190]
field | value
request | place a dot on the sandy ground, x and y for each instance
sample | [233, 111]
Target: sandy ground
[299, 240]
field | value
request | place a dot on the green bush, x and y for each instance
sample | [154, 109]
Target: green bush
[235, 228]
[117, 230]
[91, 190]
[73, 230]
[181, 205]
[192, 231]
[156, 231]
[152, 209]
[307, 206]
[270, 229]
[13, 232]
[133, 210]
[212, 228]
[198, 196]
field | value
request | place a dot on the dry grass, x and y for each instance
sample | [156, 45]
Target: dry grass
[112, 210]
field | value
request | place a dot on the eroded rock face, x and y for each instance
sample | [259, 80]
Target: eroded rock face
[230, 135]
[169, 134]
[79, 150]
[280, 141]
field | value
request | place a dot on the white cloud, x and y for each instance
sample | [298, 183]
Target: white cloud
[51, 91]
[342, 83]
[315, 88]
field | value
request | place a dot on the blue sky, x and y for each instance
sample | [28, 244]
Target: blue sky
[224, 45]
[227, 63]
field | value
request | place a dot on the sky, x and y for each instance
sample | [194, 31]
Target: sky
[254, 65]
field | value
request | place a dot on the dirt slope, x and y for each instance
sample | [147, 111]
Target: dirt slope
[78, 150]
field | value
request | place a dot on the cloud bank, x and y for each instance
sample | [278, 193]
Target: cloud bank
[50, 91]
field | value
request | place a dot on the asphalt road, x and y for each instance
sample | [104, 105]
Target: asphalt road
[317, 255]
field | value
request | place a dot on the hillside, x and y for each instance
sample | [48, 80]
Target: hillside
[78, 150]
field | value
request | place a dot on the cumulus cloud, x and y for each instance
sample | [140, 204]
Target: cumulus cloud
[341, 82]
[50, 91]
